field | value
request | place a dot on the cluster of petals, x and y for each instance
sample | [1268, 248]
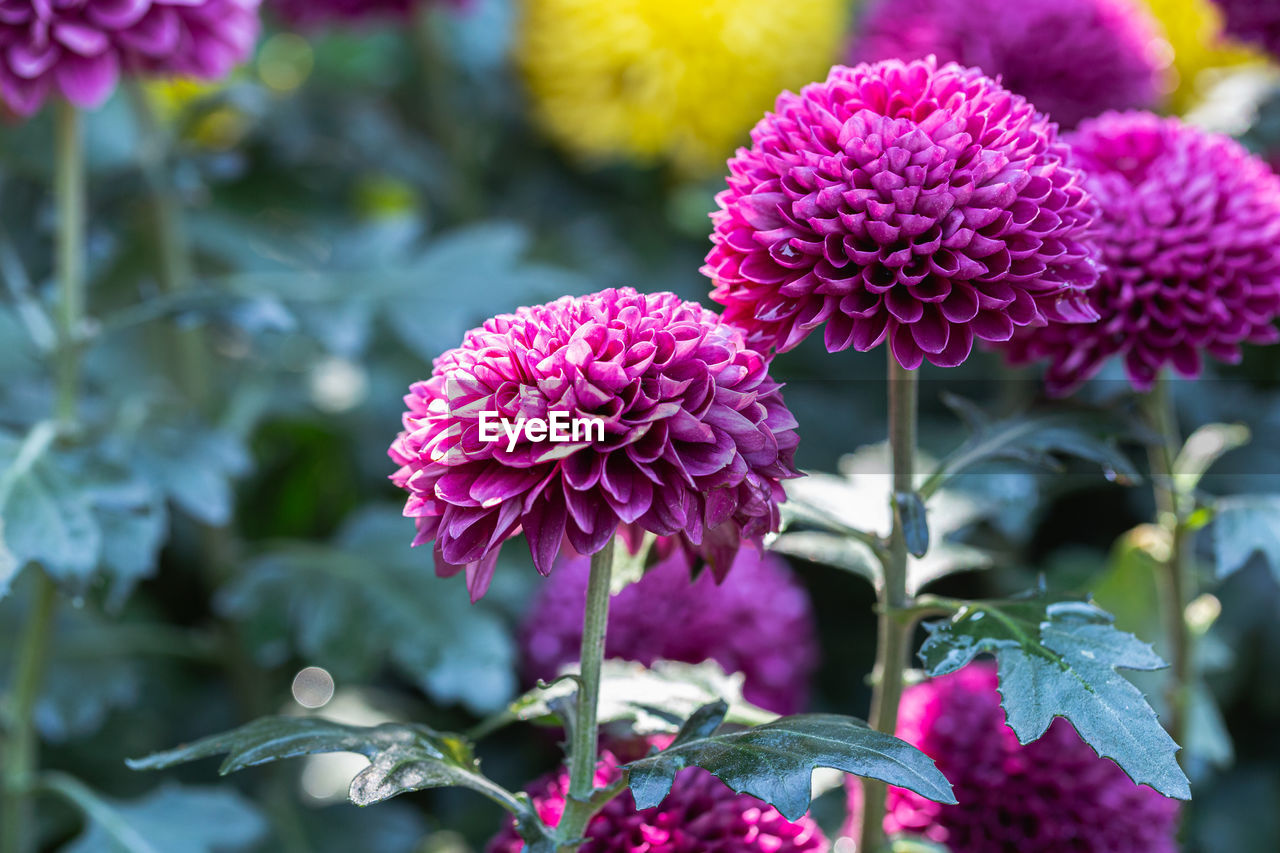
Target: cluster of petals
[909, 202]
[1189, 228]
[697, 438]
[1053, 795]
[758, 622]
[700, 814]
[1071, 58]
[1253, 22]
[79, 48]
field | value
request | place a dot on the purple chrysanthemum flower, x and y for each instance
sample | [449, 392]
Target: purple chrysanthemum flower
[313, 13]
[758, 622]
[1189, 228]
[696, 435]
[1071, 58]
[81, 47]
[1054, 795]
[700, 814]
[1253, 22]
[910, 202]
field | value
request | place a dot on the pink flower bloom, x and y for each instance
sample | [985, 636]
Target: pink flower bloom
[1254, 22]
[1071, 58]
[1054, 795]
[79, 48]
[906, 202]
[312, 13]
[696, 436]
[1189, 228]
[758, 622]
[700, 814]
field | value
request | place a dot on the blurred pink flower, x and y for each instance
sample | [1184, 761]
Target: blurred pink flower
[913, 203]
[1071, 58]
[700, 814]
[79, 48]
[696, 436]
[758, 622]
[1054, 795]
[1189, 228]
[1253, 22]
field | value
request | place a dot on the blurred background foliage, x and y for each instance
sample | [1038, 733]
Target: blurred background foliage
[353, 201]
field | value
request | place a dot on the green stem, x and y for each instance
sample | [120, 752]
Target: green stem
[69, 189]
[582, 760]
[22, 745]
[894, 632]
[176, 273]
[1176, 579]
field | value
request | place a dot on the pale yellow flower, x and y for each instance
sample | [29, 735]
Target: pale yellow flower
[1199, 48]
[669, 80]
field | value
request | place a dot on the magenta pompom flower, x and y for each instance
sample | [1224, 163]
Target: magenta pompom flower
[311, 13]
[696, 437]
[700, 814]
[1253, 22]
[79, 48]
[910, 202]
[1054, 795]
[1071, 58]
[758, 622]
[1189, 229]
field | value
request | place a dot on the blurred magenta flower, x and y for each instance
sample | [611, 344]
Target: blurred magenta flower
[910, 202]
[1071, 58]
[1054, 795]
[700, 814]
[1189, 228]
[758, 622]
[313, 13]
[696, 435]
[1254, 22]
[79, 48]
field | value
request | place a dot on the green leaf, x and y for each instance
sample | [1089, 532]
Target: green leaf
[44, 515]
[1059, 659]
[775, 761]
[647, 700]
[1246, 525]
[629, 568]
[830, 549]
[1202, 448]
[369, 599]
[1035, 439]
[402, 757]
[171, 819]
[194, 466]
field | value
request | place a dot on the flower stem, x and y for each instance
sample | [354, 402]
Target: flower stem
[1176, 579]
[22, 744]
[176, 275]
[69, 189]
[894, 632]
[582, 759]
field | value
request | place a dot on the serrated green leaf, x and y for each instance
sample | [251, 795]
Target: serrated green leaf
[1059, 658]
[171, 819]
[647, 700]
[1244, 526]
[402, 757]
[1035, 439]
[775, 761]
[194, 466]
[367, 599]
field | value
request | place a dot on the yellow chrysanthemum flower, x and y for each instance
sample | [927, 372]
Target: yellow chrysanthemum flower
[177, 99]
[1195, 32]
[652, 80]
